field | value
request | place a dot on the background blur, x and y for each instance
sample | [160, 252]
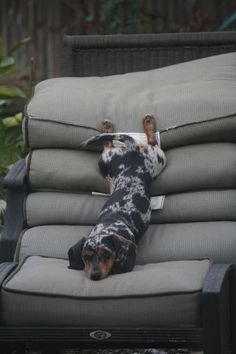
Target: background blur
[45, 21]
[31, 34]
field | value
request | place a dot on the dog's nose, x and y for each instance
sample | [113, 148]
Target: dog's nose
[95, 275]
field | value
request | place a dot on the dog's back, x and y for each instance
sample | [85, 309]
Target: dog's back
[131, 169]
[112, 244]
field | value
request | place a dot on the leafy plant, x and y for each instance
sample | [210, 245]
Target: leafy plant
[123, 16]
[11, 144]
[105, 16]
[11, 140]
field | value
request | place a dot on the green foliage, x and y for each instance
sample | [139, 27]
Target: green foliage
[6, 65]
[18, 45]
[9, 92]
[12, 146]
[106, 17]
[122, 16]
[11, 140]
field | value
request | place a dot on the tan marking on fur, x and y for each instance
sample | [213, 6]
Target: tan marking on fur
[105, 268]
[149, 126]
[107, 145]
[88, 269]
[142, 147]
[88, 253]
[106, 126]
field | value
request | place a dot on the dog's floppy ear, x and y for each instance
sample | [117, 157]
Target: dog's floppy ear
[125, 255]
[75, 255]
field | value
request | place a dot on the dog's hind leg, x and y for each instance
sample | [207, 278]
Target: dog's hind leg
[106, 126]
[149, 125]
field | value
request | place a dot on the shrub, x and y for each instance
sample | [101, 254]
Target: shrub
[12, 99]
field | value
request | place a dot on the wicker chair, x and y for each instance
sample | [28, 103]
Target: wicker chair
[85, 56]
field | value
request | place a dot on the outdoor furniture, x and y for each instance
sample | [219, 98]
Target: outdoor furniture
[180, 294]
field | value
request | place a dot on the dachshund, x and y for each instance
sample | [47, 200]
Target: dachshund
[111, 246]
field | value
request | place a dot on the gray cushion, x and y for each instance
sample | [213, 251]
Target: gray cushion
[48, 208]
[183, 95]
[163, 242]
[216, 240]
[195, 167]
[155, 289]
[69, 170]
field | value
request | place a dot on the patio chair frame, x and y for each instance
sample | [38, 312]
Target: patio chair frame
[108, 55]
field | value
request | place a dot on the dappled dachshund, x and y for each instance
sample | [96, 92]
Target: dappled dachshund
[111, 246]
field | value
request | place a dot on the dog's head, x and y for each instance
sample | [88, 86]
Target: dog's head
[103, 256]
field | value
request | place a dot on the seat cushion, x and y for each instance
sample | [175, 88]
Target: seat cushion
[55, 208]
[166, 294]
[194, 102]
[163, 242]
[193, 167]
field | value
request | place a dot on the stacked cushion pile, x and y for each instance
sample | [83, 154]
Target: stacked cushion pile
[195, 106]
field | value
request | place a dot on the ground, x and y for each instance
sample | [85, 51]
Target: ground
[123, 351]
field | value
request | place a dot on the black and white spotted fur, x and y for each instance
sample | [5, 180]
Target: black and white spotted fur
[127, 212]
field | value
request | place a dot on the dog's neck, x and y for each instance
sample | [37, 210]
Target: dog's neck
[109, 226]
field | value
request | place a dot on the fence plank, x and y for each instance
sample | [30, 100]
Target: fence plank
[42, 19]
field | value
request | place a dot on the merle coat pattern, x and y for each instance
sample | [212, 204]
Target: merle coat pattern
[126, 215]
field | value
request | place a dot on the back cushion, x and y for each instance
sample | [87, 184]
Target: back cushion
[196, 109]
[185, 98]
[58, 208]
[198, 218]
[195, 167]
[162, 242]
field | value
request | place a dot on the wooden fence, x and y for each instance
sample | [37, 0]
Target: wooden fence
[45, 21]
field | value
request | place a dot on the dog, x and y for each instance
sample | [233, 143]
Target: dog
[111, 246]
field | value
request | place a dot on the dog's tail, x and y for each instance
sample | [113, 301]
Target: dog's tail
[98, 141]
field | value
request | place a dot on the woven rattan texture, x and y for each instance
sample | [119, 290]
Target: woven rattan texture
[118, 54]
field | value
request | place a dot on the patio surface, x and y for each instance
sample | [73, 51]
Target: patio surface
[122, 351]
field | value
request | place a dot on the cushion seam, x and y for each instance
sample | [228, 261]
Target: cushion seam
[63, 123]
[232, 115]
[196, 123]
[92, 298]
